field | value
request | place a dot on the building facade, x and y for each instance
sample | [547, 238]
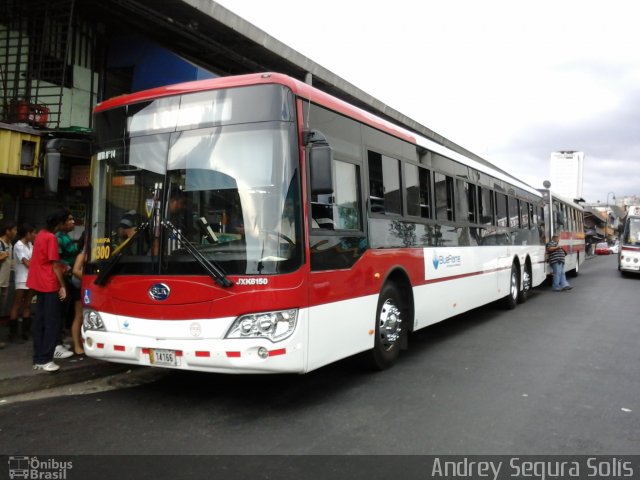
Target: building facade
[567, 173]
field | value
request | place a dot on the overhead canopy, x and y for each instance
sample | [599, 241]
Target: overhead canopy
[216, 39]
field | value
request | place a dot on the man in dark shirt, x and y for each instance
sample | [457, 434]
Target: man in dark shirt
[555, 255]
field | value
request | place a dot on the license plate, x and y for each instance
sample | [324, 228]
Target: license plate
[163, 357]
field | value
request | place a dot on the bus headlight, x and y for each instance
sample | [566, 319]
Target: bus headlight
[91, 320]
[274, 326]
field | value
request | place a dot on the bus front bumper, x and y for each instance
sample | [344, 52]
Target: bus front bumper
[211, 355]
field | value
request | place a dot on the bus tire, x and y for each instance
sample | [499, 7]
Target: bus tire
[576, 271]
[389, 332]
[511, 300]
[523, 294]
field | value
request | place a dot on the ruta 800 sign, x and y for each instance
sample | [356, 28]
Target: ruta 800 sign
[101, 249]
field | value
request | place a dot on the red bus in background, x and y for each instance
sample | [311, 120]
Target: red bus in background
[629, 249]
[565, 217]
[256, 224]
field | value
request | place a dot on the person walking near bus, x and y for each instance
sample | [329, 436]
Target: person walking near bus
[46, 279]
[20, 315]
[556, 256]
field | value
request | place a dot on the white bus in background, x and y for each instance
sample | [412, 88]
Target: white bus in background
[629, 251]
[565, 217]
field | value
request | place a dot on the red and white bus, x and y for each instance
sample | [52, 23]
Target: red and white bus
[565, 217]
[256, 224]
[629, 251]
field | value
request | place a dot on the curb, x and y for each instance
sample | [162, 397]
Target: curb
[35, 381]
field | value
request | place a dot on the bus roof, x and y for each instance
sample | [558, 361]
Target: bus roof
[315, 95]
[633, 211]
[568, 201]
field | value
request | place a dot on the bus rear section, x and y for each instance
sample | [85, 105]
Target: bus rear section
[629, 250]
[565, 217]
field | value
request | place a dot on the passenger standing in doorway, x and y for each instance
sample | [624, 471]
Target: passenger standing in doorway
[76, 280]
[68, 251]
[555, 255]
[46, 279]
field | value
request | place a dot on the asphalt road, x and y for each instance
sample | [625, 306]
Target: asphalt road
[557, 375]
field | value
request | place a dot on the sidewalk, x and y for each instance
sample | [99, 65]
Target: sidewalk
[17, 375]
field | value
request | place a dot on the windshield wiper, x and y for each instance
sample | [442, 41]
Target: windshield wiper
[212, 269]
[116, 255]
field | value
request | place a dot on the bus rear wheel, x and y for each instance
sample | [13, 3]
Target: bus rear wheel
[523, 295]
[389, 330]
[576, 271]
[511, 300]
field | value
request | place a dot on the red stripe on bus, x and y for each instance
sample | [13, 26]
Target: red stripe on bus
[280, 351]
[203, 354]
[465, 275]
[233, 354]
[118, 348]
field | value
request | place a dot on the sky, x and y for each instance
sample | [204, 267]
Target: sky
[510, 80]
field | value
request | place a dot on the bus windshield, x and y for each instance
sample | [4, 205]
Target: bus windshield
[202, 178]
[632, 232]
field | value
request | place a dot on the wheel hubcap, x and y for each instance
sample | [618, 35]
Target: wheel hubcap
[389, 324]
[514, 285]
[527, 282]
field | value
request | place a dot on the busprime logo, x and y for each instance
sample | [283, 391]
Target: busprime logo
[446, 260]
[38, 468]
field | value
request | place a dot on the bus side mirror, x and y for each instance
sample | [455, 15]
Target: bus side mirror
[320, 163]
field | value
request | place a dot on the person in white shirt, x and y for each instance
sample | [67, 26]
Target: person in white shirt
[20, 316]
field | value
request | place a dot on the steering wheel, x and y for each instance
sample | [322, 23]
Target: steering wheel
[273, 233]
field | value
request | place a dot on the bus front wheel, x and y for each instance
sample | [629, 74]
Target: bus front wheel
[389, 330]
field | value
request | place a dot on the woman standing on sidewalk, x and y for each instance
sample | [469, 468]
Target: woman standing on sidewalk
[45, 278]
[20, 316]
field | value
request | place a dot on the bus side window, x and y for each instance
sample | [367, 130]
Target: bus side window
[465, 206]
[443, 188]
[340, 211]
[385, 191]
[485, 198]
[418, 182]
[502, 211]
